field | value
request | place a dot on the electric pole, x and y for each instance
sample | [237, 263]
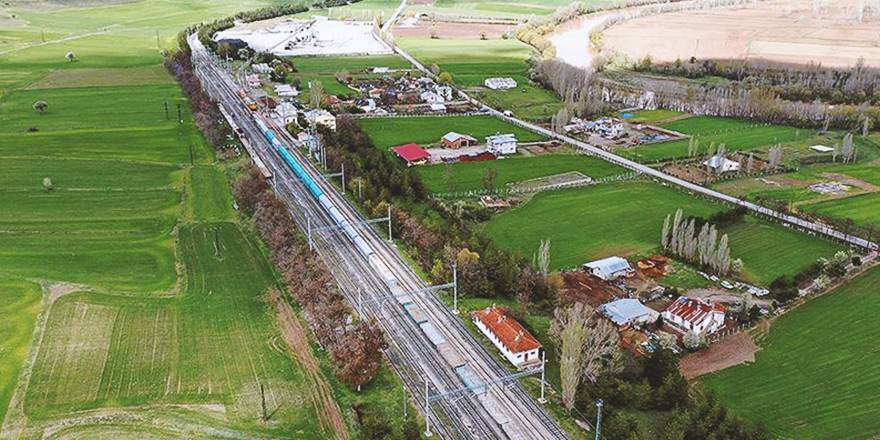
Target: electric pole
[599, 404]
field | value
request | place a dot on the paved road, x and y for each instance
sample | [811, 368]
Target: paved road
[505, 410]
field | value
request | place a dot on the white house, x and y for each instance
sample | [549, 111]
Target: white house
[610, 268]
[696, 315]
[286, 91]
[321, 117]
[501, 144]
[500, 83]
[287, 111]
[720, 164]
[515, 342]
[628, 311]
[430, 97]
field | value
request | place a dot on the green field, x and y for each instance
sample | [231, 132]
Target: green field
[467, 176]
[770, 250]
[499, 9]
[736, 134]
[390, 132]
[472, 61]
[20, 303]
[816, 375]
[625, 219]
[594, 222]
[654, 116]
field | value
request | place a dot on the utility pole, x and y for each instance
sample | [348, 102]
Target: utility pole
[309, 231]
[360, 189]
[542, 399]
[599, 404]
[390, 239]
[166, 110]
[343, 178]
[179, 114]
[263, 401]
[428, 432]
[404, 402]
[455, 287]
[158, 46]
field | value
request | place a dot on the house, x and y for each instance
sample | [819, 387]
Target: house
[438, 108]
[610, 268]
[287, 111]
[379, 70]
[609, 128]
[515, 342]
[501, 144]
[500, 83]
[413, 154]
[720, 164]
[455, 140]
[286, 91]
[628, 311]
[430, 97]
[696, 315]
[321, 117]
[253, 80]
[261, 68]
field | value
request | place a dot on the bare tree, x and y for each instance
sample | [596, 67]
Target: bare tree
[316, 93]
[543, 258]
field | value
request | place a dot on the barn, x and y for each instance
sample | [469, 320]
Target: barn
[515, 342]
[455, 140]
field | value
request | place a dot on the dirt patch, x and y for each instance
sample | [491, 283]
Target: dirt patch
[851, 181]
[453, 31]
[733, 350]
[581, 287]
[779, 30]
[295, 337]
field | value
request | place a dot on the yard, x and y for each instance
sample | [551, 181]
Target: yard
[816, 375]
[425, 131]
[468, 176]
[736, 134]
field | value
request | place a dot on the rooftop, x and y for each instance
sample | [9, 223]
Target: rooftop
[411, 152]
[510, 332]
[627, 310]
[693, 309]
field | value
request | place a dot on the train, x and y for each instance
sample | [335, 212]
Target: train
[248, 102]
[328, 206]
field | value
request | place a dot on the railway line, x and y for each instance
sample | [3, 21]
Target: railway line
[483, 403]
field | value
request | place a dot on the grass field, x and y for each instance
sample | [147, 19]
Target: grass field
[816, 375]
[736, 134]
[19, 305]
[500, 9]
[626, 218]
[467, 176]
[472, 61]
[594, 222]
[389, 132]
[654, 116]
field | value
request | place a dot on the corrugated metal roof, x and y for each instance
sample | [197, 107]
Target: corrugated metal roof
[609, 266]
[627, 310]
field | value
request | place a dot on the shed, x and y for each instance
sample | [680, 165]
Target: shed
[609, 268]
[413, 154]
[628, 311]
[457, 140]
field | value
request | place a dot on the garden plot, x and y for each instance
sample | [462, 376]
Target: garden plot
[317, 36]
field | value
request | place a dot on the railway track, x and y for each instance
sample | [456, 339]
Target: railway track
[502, 411]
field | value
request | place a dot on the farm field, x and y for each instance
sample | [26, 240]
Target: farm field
[815, 375]
[468, 176]
[593, 222]
[425, 131]
[770, 250]
[737, 135]
[471, 62]
[655, 116]
[20, 302]
[495, 8]
[625, 219]
[777, 30]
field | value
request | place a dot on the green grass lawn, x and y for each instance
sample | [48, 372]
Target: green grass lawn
[816, 375]
[472, 61]
[20, 303]
[736, 134]
[390, 132]
[770, 250]
[584, 224]
[654, 116]
[467, 176]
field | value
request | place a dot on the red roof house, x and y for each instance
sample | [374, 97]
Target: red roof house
[696, 315]
[508, 335]
[411, 153]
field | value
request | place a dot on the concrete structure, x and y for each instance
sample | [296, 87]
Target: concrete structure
[413, 154]
[321, 117]
[720, 164]
[822, 148]
[628, 311]
[515, 342]
[610, 268]
[286, 91]
[500, 83]
[696, 315]
[455, 140]
[501, 144]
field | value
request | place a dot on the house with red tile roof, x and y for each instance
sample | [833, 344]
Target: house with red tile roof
[515, 342]
[696, 315]
[413, 154]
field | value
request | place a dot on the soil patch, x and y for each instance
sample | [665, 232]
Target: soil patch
[733, 350]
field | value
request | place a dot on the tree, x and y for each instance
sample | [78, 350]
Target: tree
[693, 340]
[445, 78]
[435, 69]
[225, 50]
[41, 106]
[248, 188]
[489, 179]
[70, 56]
[316, 93]
[542, 258]
[774, 156]
[358, 355]
[47, 184]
